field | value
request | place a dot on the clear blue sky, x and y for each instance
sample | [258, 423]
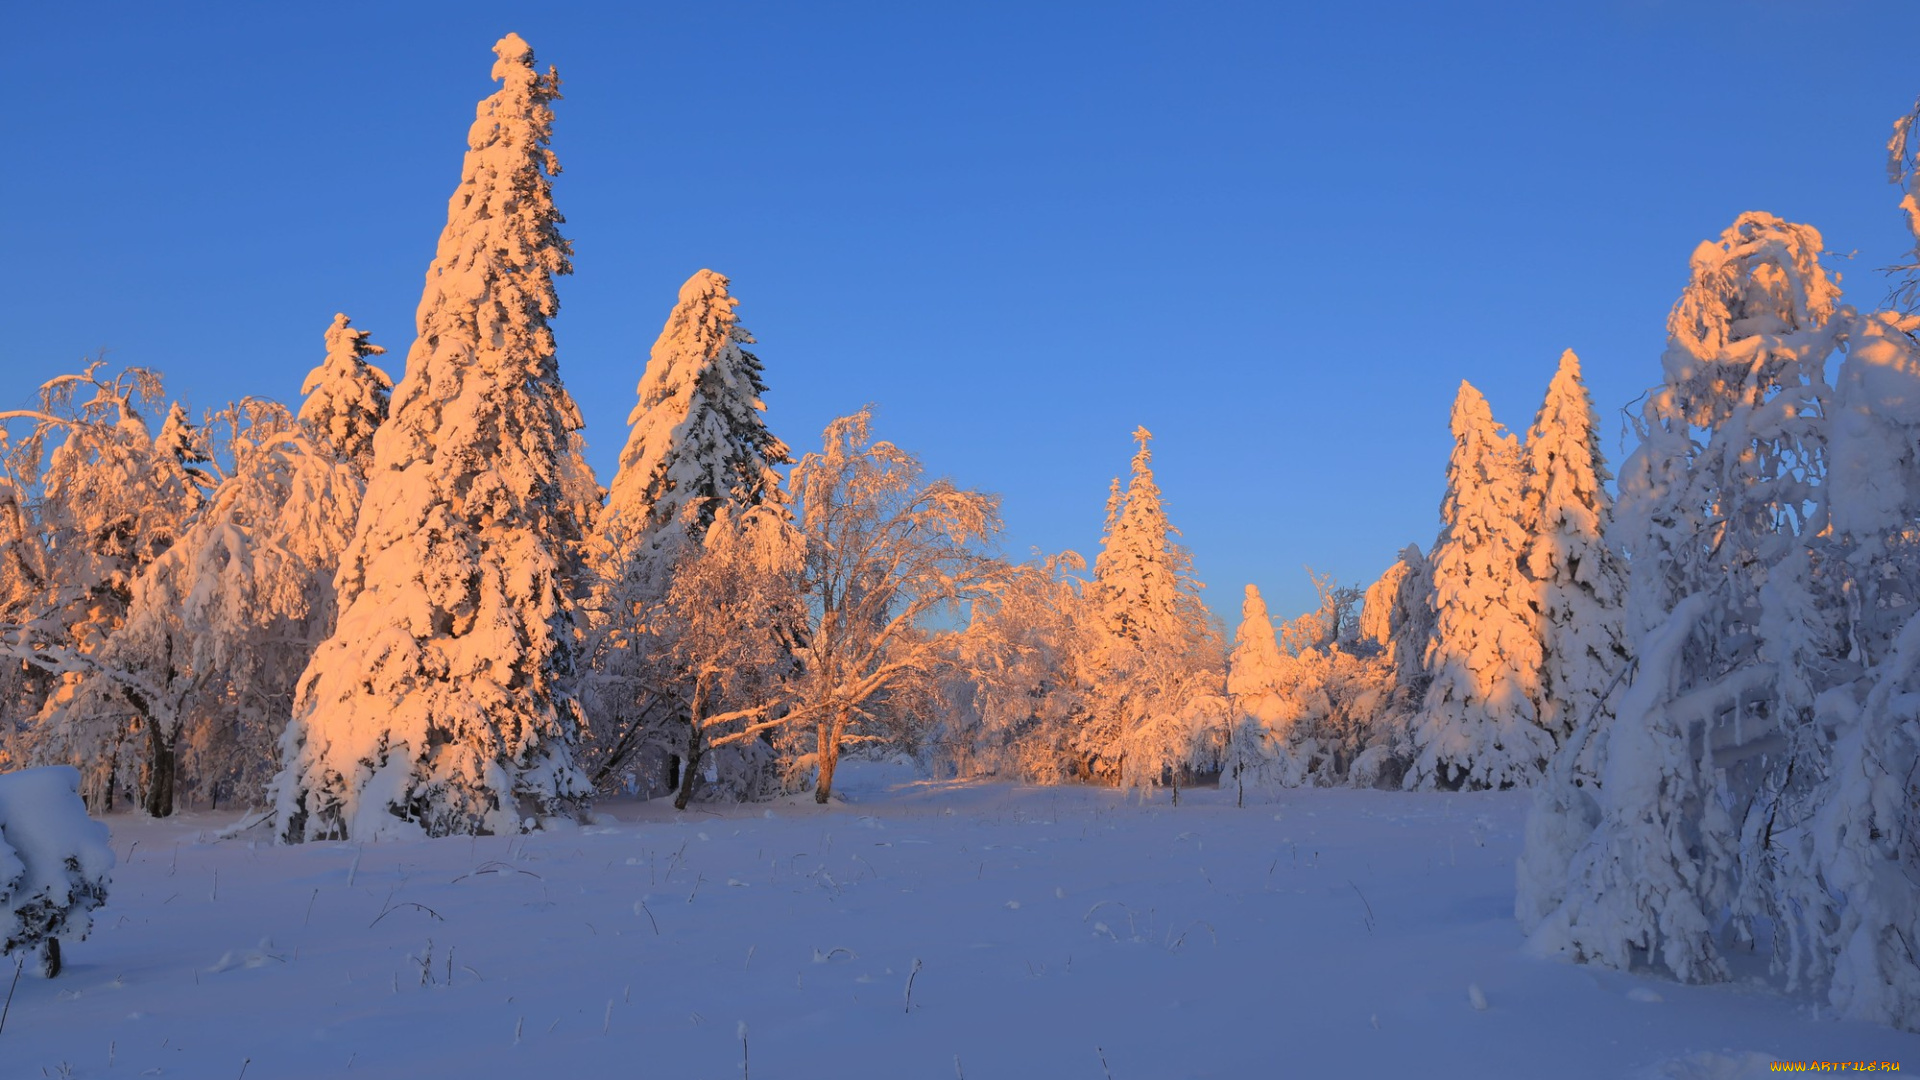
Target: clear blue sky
[1277, 234]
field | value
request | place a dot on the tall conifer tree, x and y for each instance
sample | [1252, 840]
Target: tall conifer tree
[1479, 725]
[440, 703]
[1581, 581]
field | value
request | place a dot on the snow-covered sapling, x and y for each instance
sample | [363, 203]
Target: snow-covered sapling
[55, 863]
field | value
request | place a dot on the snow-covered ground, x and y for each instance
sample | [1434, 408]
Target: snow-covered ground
[1043, 932]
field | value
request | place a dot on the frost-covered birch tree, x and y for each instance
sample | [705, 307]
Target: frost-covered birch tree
[723, 646]
[441, 702]
[1014, 694]
[110, 501]
[884, 552]
[1479, 725]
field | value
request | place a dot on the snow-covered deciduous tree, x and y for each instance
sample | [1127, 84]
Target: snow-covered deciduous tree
[884, 551]
[346, 396]
[110, 502]
[55, 863]
[1479, 725]
[219, 627]
[1014, 695]
[722, 643]
[1156, 665]
[440, 704]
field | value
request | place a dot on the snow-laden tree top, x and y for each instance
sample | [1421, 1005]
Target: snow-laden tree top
[698, 437]
[1142, 576]
[1761, 281]
[346, 397]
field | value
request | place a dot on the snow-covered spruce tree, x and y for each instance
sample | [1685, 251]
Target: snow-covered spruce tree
[1156, 666]
[1378, 607]
[346, 396]
[1733, 634]
[1582, 589]
[1581, 581]
[884, 552]
[182, 439]
[440, 704]
[698, 433]
[1479, 725]
[698, 445]
[1409, 625]
[1256, 752]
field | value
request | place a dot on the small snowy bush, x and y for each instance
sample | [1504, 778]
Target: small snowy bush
[54, 859]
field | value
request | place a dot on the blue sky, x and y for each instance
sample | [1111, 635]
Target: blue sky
[1278, 235]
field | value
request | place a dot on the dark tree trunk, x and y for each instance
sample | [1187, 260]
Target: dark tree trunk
[689, 776]
[50, 957]
[160, 769]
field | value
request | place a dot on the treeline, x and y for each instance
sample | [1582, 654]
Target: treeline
[411, 607]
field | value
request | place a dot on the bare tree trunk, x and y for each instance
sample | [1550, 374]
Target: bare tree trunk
[50, 957]
[829, 754]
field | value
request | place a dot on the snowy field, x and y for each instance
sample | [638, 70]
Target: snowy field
[1056, 932]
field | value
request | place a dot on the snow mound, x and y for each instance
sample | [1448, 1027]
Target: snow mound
[54, 859]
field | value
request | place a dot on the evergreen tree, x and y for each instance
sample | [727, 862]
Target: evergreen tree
[1582, 589]
[1410, 624]
[1157, 664]
[1143, 578]
[346, 396]
[698, 438]
[180, 439]
[698, 445]
[1582, 584]
[1255, 677]
[1479, 725]
[440, 704]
